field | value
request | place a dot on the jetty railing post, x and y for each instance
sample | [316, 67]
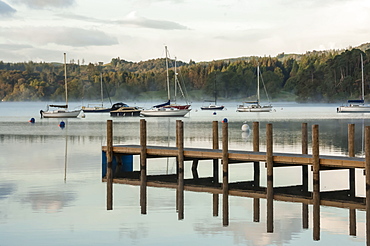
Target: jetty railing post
[256, 168]
[180, 180]
[270, 178]
[109, 155]
[316, 182]
[352, 178]
[367, 170]
[225, 174]
[143, 168]
[215, 145]
[304, 175]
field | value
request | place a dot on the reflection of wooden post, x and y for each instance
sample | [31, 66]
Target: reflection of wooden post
[143, 177]
[109, 155]
[180, 187]
[215, 146]
[225, 175]
[194, 169]
[367, 170]
[270, 179]
[304, 175]
[352, 178]
[256, 168]
[316, 182]
[215, 205]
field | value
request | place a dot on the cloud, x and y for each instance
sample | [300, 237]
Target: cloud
[6, 10]
[75, 37]
[42, 4]
[131, 20]
[14, 46]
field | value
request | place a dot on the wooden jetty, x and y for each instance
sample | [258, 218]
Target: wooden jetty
[252, 189]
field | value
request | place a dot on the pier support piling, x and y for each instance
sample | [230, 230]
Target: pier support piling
[225, 174]
[367, 171]
[316, 182]
[305, 210]
[257, 172]
[180, 158]
[143, 168]
[109, 174]
[270, 179]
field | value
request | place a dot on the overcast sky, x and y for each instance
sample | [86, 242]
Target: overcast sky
[201, 30]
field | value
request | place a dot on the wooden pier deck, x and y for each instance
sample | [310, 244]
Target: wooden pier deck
[252, 189]
[240, 156]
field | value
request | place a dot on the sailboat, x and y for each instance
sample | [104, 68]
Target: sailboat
[167, 109]
[100, 107]
[254, 106]
[357, 106]
[62, 110]
[213, 106]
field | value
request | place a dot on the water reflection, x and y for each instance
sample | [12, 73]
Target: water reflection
[7, 189]
[48, 201]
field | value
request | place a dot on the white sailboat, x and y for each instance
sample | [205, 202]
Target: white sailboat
[357, 106]
[99, 108]
[254, 106]
[213, 103]
[167, 109]
[61, 111]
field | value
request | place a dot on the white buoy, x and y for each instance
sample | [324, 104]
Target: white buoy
[245, 127]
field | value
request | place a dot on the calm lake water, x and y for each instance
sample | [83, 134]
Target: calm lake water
[51, 192]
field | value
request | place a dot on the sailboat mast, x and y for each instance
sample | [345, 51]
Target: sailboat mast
[362, 78]
[101, 88]
[258, 84]
[65, 78]
[175, 81]
[168, 77]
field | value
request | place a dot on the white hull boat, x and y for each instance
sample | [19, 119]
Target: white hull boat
[357, 106]
[165, 112]
[62, 111]
[255, 106]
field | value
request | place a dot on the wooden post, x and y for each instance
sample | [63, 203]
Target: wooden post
[270, 178]
[109, 155]
[225, 168]
[215, 146]
[143, 173]
[304, 175]
[316, 182]
[180, 180]
[352, 178]
[215, 204]
[367, 170]
[256, 168]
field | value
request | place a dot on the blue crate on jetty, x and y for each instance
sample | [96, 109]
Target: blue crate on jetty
[127, 163]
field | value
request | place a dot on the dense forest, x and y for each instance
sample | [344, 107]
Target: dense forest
[317, 76]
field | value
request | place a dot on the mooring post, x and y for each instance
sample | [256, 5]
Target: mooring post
[270, 178]
[109, 155]
[316, 182]
[143, 173]
[304, 175]
[256, 168]
[352, 178]
[215, 145]
[225, 175]
[367, 170]
[180, 180]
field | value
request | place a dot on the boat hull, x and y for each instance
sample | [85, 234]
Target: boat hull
[254, 108]
[165, 112]
[354, 109]
[212, 107]
[60, 114]
[126, 111]
[96, 110]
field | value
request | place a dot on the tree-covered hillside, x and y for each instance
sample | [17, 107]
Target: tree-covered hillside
[325, 76]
